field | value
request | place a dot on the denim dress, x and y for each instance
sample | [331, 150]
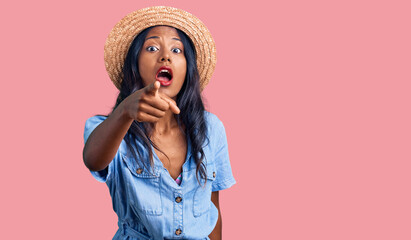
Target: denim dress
[150, 204]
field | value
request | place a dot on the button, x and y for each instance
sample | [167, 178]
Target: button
[139, 170]
[213, 174]
[178, 231]
[178, 199]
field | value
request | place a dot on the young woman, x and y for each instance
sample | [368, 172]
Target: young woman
[163, 157]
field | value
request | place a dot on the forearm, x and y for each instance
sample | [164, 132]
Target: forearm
[104, 141]
[217, 232]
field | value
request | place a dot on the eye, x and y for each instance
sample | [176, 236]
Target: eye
[151, 48]
[176, 50]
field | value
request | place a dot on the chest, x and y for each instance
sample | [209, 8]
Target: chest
[172, 151]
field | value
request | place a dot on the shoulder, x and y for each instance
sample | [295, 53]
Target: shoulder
[215, 127]
[95, 120]
[91, 124]
[213, 121]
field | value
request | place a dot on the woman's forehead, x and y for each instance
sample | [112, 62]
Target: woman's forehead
[162, 30]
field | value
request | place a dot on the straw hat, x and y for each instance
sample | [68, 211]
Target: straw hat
[124, 32]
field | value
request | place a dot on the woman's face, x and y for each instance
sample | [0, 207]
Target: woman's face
[162, 58]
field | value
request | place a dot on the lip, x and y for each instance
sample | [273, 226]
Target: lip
[165, 83]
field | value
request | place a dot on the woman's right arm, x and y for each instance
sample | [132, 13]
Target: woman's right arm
[104, 141]
[144, 105]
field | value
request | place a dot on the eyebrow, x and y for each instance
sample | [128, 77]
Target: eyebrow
[158, 37]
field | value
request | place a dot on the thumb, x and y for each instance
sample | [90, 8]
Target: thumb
[153, 88]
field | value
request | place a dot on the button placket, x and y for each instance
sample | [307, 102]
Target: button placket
[178, 213]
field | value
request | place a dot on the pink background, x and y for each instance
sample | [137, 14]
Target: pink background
[315, 97]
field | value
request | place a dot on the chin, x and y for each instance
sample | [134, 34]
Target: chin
[170, 94]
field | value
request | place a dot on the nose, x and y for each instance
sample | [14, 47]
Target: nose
[164, 57]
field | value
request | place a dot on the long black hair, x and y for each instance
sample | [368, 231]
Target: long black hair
[189, 102]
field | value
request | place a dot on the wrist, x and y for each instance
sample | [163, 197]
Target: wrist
[122, 113]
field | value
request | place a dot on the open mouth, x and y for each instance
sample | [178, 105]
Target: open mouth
[164, 75]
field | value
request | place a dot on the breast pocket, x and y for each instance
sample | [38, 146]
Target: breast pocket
[202, 195]
[144, 188]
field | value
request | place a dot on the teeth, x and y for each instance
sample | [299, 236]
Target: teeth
[165, 70]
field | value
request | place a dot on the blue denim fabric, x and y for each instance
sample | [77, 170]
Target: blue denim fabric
[146, 203]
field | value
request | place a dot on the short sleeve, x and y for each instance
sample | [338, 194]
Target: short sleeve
[224, 177]
[105, 174]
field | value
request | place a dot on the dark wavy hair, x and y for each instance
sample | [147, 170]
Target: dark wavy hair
[188, 100]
